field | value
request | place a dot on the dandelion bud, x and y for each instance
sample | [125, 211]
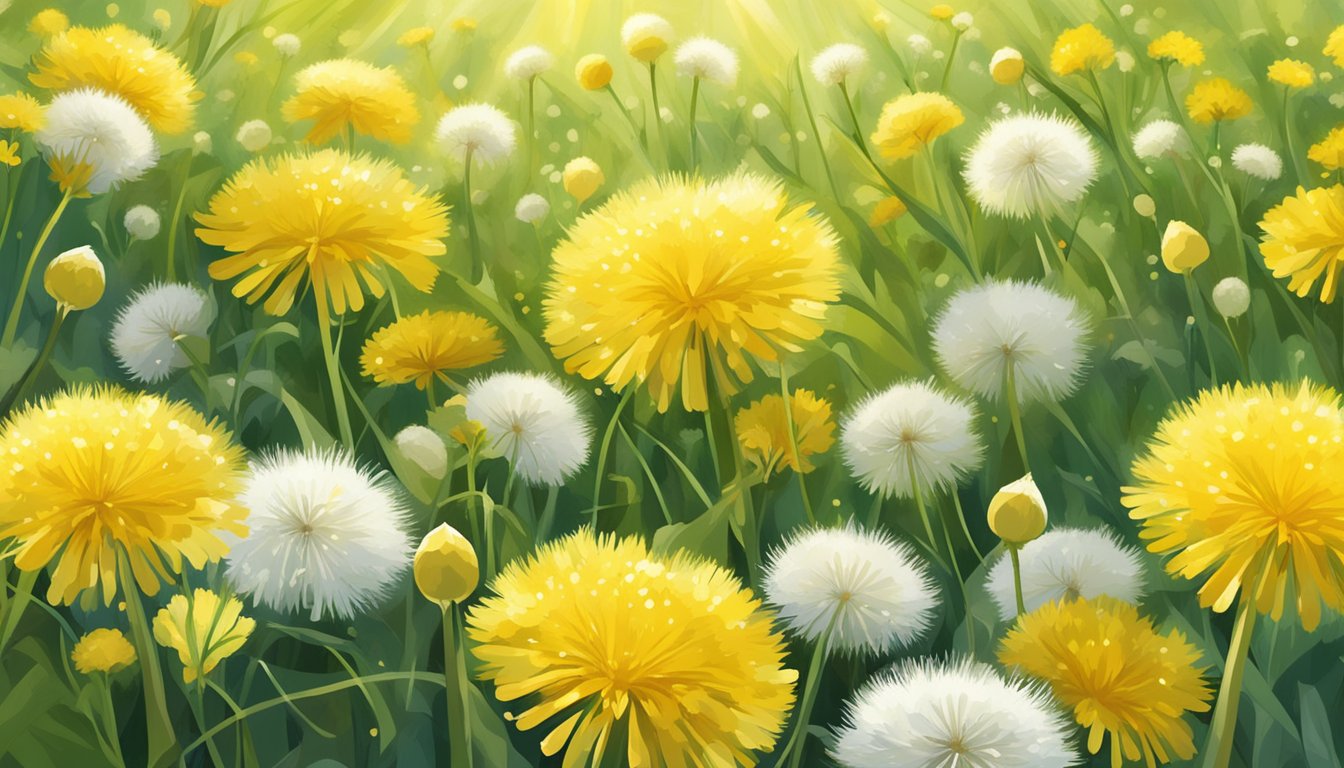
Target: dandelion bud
[76, 278]
[103, 650]
[1231, 297]
[593, 71]
[202, 144]
[646, 36]
[254, 135]
[1007, 66]
[887, 210]
[531, 208]
[1145, 206]
[1017, 512]
[142, 222]
[1183, 248]
[425, 449]
[446, 568]
[582, 178]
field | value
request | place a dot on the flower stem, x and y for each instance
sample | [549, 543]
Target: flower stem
[110, 719]
[918, 494]
[947, 68]
[1200, 313]
[1015, 413]
[657, 110]
[793, 443]
[792, 755]
[1222, 730]
[604, 449]
[21, 393]
[12, 192]
[12, 324]
[177, 216]
[695, 144]
[454, 678]
[816, 134]
[1017, 578]
[332, 356]
[473, 239]
[23, 594]
[162, 739]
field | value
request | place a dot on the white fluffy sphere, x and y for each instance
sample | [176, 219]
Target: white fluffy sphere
[1068, 563]
[99, 131]
[480, 131]
[706, 59]
[141, 222]
[1034, 164]
[147, 331]
[533, 422]
[838, 62]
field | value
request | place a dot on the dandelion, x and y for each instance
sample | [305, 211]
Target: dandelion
[1026, 165]
[476, 132]
[254, 135]
[582, 177]
[1304, 240]
[141, 222]
[528, 62]
[75, 279]
[709, 681]
[103, 650]
[531, 208]
[95, 142]
[677, 279]
[287, 45]
[416, 36]
[147, 334]
[204, 630]
[1334, 46]
[48, 23]
[593, 72]
[1231, 297]
[1177, 47]
[202, 143]
[1081, 49]
[1291, 73]
[767, 435]
[532, 421]
[445, 566]
[1067, 564]
[1329, 151]
[962, 21]
[954, 713]
[912, 122]
[428, 346]
[887, 210]
[646, 36]
[1261, 162]
[1217, 99]
[704, 59]
[1183, 247]
[344, 95]
[1158, 139]
[328, 536]
[837, 63]
[919, 44]
[1007, 66]
[19, 111]
[941, 12]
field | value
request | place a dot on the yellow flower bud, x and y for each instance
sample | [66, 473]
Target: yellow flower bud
[1007, 66]
[446, 568]
[1183, 248]
[582, 178]
[593, 71]
[103, 650]
[75, 278]
[887, 210]
[464, 24]
[1017, 512]
[468, 432]
[941, 12]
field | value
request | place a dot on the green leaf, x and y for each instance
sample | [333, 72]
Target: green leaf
[1317, 735]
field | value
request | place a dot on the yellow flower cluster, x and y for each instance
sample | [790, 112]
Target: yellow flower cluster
[913, 121]
[1083, 48]
[345, 94]
[1217, 99]
[420, 348]
[763, 432]
[1178, 47]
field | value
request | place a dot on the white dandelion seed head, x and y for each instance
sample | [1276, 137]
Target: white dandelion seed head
[141, 222]
[528, 62]
[706, 59]
[1068, 563]
[532, 421]
[326, 535]
[147, 330]
[1125, 61]
[760, 111]
[1158, 139]
[287, 44]
[910, 424]
[531, 208]
[1030, 164]
[643, 26]
[254, 135]
[986, 328]
[872, 592]
[96, 129]
[962, 21]
[201, 143]
[838, 62]
[424, 448]
[1231, 297]
[481, 130]
[1257, 160]
[920, 44]
[960, 713]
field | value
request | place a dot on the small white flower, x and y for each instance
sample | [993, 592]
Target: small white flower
[1257, 160]
[1124, 61]
[287, 44]
[254, 135]
[1030, 164]
[325, 535]
[1159, 139]
[986, 329]
[99, 131]
[531, 208]
[528, 62]
[760, 111]
[1068, 563]
[142, 222]
[920, 44]
[838, 62]
[425, 448]
[870, 591]
[953, 714]
[962, 21]
[708, 60]
[533, 422]
[1231, 297]
[202, 144]
[910, 427]
[478, 130]
[146, 332]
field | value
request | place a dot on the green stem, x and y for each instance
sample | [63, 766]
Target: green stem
[1017, 578]
[177, 216]
[603, 450]
[1222, 730]
[110, 720]
[793, 443]
[965, 530]
[201, 720]
[918, 494]
[1015, 412]
[657, 110]
[30, 378]
[12, 190]
[792, 755]
[473, 238]
[695, 144]
[12, 324]
[1288, 138]
[531, 126]
[332, 356]
[947, 68]
[23, 594]
[162, 744]
[455, 684]
[816, 134]
[1200, 313]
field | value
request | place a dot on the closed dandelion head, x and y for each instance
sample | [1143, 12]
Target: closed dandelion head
[1304, 239]
[1081, 49]
[148, 331]
[1030, 165]
[646, 36]
[837, 63]
[1217, 99]
[476, 131]
[1231, 297]
[428, 346]
[534, 423]
[103, 650]
[1329, 151]
[860, 591]
[598, 642]
[141, 222]
[328, 536]
[287, 44]
[345, 94]
[254, 135]
[48, 22]
[1066, 564]
[674, 279]
[204, 630]
[528, 62]
[1261, 162]
[1177, 47]
[952, 713]
[1291, 73]
[1334, 46]
[19, 111]
[763, 430]
[531, 208]
[1124, 681]
[95, 142]
[988, 330]
[911, 122]
[706, 59]
[1160, 138]
[911, 435]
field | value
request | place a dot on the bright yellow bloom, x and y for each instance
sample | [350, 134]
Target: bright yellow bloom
[429, 345]
[103, 650]
[21, 111]
[123, 62]
[1292, 73]
[345, 93]
[912, 121]
[764, 434]
[1178, 47]
[1217, 99]
[941, 12]
[416, 36]
[1243, 484]
[887, 210]
[445, 566]
[327, 217]
[671, 656]
[1334, 46]
[677, 279]
[96, 479]
[1329, 151]
[1081, 48]
[1121, 677]
[204, 630]
[49, 22]
[1304, 240]
[593, 71]
[9, 152]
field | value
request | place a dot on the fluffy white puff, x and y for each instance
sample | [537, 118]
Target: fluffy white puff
[1257, 160]
[920, 44]
[254, 135]
[532, 421]
[1068, 563]
[531, 208]
[1159, 138]
[1231, 297]
[1025, 165]
[479, 130]
[528, 62]
[706, 59]
[838, 62]
[953, 713]
[910, 425]
[93, 128]
[141, 222]
[287, 44]
[146, 332]
[644, 26]
[872, 591]
[325, 535]
[986, 328]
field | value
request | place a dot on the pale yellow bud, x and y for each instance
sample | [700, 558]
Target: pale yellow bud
[425, 448]
[76, 278]
[1183, 248]
[1017, 512]
[1007, 66]
[446, 569]
[582, 178]
[593, 71]
[887, 210]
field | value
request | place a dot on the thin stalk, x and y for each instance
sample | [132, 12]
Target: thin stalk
[23, 594]
[1288, 137]
[531, 126]
[643, 140]
[695, 144]
[177, 216]
[12, 324]
[1015, 413]
[162, 744]
[332, 356]
[918, 494]
[201, 720]
[792, 755]
[965, 530]
[110, 720]
[657, 110]
[12, 189]
[473, 238]
[947, 68]
[816, 134]
[1222, 729]
[30, 378]
[1200, 313]
[1017, 578]
[793, 443]
[603, 449]
[454, 680]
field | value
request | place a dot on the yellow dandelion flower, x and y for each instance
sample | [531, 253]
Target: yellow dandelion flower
[22, 112]
[101, 479]
[103, 650]
[204, 630]
[1217, 99]
[1334, 46]
[48, 22]
[913, 121]
[887, 210]
[9, 152]
[1242, 485]
[122, 62]
[678, 279]
[698, 669]
[429, 345]
[464, 24]
[1081, 48]
[1292, 73]
[416, 36]
[1304, 240]
[247, 59]
[1120, 676]
[324, 216]
[1329, 151]
[1178, 47]
[942, 12]
[345, 93]
[764, 434]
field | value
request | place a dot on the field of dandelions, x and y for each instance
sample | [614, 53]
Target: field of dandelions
[613, 383]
